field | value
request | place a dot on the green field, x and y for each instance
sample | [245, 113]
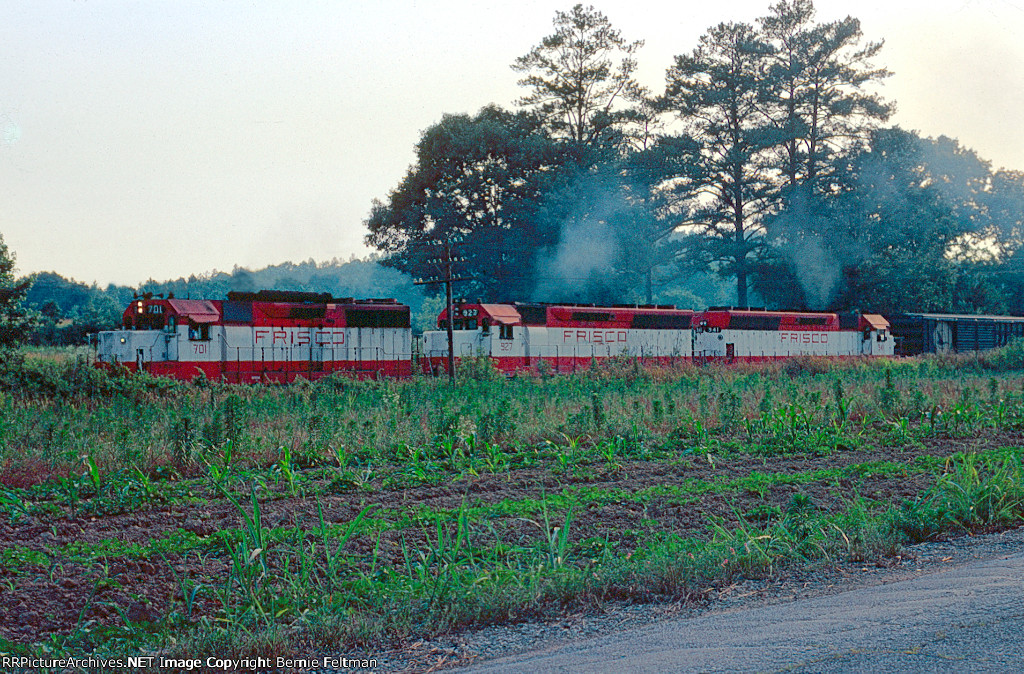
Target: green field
[140, 515]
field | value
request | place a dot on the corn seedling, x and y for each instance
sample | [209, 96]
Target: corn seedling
[93, 474]
[285, 470]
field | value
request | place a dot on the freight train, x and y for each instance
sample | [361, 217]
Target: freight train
[278, 336]
[269, 336]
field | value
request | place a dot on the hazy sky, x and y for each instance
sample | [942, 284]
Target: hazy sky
[163, 138]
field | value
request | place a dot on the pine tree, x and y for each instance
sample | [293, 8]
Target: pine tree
[577, 88]
[717, 91]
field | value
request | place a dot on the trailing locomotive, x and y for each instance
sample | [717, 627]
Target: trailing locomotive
[745, 335]
[565, 337]
[269, 336]
[520, 337]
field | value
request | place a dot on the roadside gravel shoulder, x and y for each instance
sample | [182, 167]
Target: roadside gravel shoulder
[478, 646]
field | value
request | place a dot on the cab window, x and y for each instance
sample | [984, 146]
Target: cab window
[199, 332]
[505, 332]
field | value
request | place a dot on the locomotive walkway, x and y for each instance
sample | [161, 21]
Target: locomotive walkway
[966, 618]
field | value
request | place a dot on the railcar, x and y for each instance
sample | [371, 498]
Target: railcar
[953, 333]
[564, 337]
[723, 334]
[267, 336]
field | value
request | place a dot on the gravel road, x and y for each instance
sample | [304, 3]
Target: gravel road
[946, 606]
[960, 609]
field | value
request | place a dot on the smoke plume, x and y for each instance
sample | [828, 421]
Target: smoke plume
[582, 265]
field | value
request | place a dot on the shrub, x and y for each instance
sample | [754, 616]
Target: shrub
[24, 377]
[1009, 357]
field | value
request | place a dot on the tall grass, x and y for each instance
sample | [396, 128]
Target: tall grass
[54, 413]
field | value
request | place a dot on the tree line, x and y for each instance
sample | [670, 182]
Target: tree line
[47, 309]
[765, 163]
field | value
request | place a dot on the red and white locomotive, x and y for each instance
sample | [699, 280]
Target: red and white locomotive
[520, 337]
[269, 336]
[744, 335]
[564, 337]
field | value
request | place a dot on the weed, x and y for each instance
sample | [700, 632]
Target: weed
[888, 397]
[979, 490]
[597, 407]
[839, 398]
[15, 506]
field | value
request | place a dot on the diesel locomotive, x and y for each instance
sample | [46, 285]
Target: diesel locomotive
[269, 336]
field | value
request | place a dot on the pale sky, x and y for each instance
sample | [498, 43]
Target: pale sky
[163, 138]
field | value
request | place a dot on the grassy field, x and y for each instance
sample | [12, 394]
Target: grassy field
[139, 515]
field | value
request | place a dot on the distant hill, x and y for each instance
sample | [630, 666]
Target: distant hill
[71, 309]
[355, 278]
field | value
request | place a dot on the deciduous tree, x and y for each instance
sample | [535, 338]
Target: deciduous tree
[16, 322]
[888, 242]
[477, 183]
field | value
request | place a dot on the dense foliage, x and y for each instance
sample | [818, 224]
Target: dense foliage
[477, 183]
[764, 162]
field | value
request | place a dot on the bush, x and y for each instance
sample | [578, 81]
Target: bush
[813, 365]
[23, 377]
[479, 368]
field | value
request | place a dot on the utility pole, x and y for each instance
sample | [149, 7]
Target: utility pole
[444, 267]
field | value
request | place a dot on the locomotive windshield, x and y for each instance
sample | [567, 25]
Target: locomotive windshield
[149, 317]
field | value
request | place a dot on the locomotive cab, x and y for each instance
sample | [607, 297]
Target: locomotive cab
[478, 330]
[876, 340]
[154, 330]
